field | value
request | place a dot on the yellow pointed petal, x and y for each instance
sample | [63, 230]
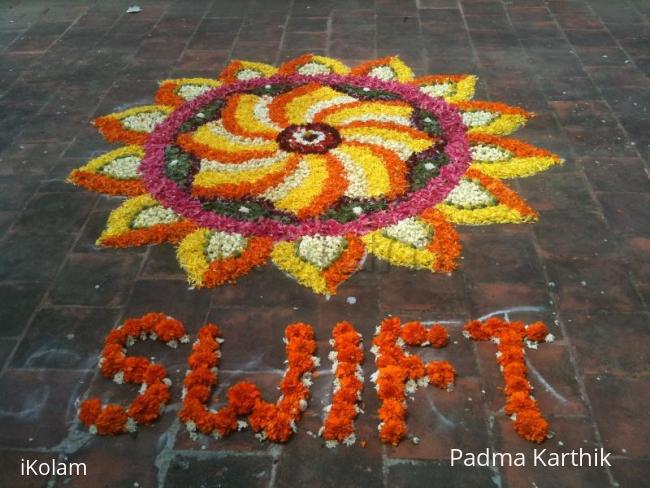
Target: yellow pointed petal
[492, 118]
[113, 173]
[453, 88]
[246, 70]
[482, 200]
[502, 157]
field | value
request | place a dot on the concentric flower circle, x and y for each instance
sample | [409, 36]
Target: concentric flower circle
[302, 154]
[311, 165]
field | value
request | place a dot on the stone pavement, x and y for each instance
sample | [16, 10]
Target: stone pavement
[582, 66]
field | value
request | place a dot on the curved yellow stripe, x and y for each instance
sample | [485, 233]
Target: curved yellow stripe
[98, 163]
[215, 136]
[464, 89]
[312, 186]
[285, 257]
[397, 252]
[334, 64]
[497, 214]
[212, 177]
[191, 255]
[413, 143]
[163, 109]
[373, 167]
[502, 125]
[366, 111]
[120, 219]
[246, 116]
[516, 167]
[297, 109]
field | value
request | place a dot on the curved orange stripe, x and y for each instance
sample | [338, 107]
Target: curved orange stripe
[446, 243]
[292, 66]
[229, 75]
[394, 164]
[277, 107]
[318, 117]
[166, 95]
[519, 148]
[156, 234]
[364, 68]
[113, 131]
[335, 186]
[230, 123]
[424, 80]
[413, 132]
[228, 270]
[504, 194]
[188, 144]
[107, 185]
[492, 107]
[341, 269]
[241, 190]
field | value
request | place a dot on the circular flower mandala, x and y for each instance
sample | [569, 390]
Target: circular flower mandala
[311, 165]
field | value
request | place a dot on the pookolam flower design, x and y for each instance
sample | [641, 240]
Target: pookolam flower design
[311, 165]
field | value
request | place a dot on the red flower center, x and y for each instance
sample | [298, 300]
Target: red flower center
[309, 138]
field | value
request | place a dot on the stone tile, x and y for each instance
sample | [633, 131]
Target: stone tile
[19, 302]
[55, 213]
[616, 400]
[64, 338]
[404, 289]
[220, 469]
[413, 474]
[41, 407]
[627, 212]
[10, 468]
[6, 348]
[187, 305]
[95, 279]
[590, 285]
[569, 434]
[307, 461]
[608, 343]
[22, 256]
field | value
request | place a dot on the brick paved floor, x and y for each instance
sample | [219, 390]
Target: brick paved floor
[584, 268]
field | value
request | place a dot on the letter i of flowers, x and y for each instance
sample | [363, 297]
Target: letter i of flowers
[311, 165]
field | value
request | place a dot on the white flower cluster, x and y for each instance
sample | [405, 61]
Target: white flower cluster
[191, 91]
[354, 174]
[313, 68]
[124, 168]
[384, 73]
[470, 194]
[478, 118]
[154, 215]
[143, 121]
[489, 154]
[248, 74]
[437, 90]
[223, 245]
[411, 231]
[261, 111]
[321, 251]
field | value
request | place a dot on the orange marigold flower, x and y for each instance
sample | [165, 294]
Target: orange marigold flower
[243, 396]
[517, 401]
[531, 425]
[169, 329]
[393, 431]
[413, 333]
[537, 331]
[89, 411]
[437, 335]
[112, 420]
[441, 374]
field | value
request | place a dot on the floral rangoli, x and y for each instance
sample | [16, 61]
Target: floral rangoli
[311, 166]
